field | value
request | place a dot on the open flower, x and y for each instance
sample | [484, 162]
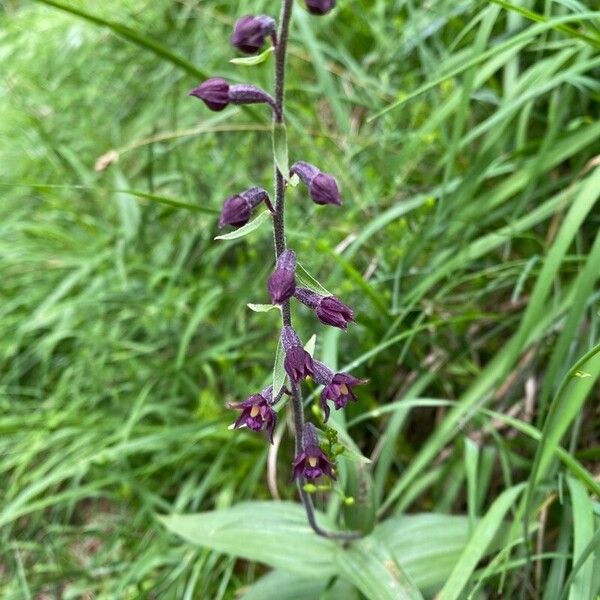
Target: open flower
[298, 363]
[312, 462]
[320, 7]
[249, 32]
[329, 309]
[282, 283]
[322, 187]
[257, 413]
[337, 387]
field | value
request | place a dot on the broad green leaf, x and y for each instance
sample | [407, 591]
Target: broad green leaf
[274, 533]
[280, 149]
[374, 570]
[247, 228]
[279, 374]
[250, 61]
[279, 585]
[262, 308]
[583, 525]
[483, 535]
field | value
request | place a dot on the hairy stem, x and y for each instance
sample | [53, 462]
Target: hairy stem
[279, 238]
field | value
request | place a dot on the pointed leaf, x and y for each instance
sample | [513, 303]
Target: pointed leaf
[280, 149]
[250, 61]
[247, 228]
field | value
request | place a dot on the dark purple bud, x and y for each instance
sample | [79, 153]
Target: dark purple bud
[312, 462]
[298, 363]
[338, 387]
[237, 210]
[329, 309]
[320, 7]
[323, 188]
[257, 413]
[334, 312]
[249, 32]
[244, 93]
[282, 283]
[305, 171]
[213, 92]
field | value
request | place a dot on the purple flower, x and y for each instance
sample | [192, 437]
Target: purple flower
[257, 413]
[249, 32]
[312, 462]
[298, 363]
[237, 209]
[282, 283]
[320, 7]
[337, 387]
[329, 309]
[216, 93]
[322, 187]
[213, 92]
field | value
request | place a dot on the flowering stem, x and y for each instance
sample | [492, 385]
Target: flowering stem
[279, 239]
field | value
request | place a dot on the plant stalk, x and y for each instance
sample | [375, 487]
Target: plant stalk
[280, 245]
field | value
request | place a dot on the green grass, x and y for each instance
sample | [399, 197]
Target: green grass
[465, 137]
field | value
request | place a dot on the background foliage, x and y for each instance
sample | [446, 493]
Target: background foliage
[468, 245]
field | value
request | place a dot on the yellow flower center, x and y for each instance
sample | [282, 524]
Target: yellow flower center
[254, 411]
[312, 461]
[344, 388]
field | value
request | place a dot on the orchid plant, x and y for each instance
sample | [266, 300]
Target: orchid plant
[257, 411]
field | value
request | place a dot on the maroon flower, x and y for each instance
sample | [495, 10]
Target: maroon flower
[320, 7]
[282, 283]
[237, 209]
[337, 387]
[329, 309]
[322, 187]
[249, 32]
[298, 363]
[213, 92]
[312, 462]
[216, 93]
[257, 413]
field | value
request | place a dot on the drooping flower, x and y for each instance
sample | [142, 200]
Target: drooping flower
[312, 462]
[329, 309]
[337, 387]
[320, 7]
[298, 363]
[237, 209]
[213, 92]
[282, 282]
[322, 187]
[257, 413]
[216, 93]
[249, 32]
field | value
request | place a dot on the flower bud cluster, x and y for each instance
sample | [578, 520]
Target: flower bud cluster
[257, 412]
